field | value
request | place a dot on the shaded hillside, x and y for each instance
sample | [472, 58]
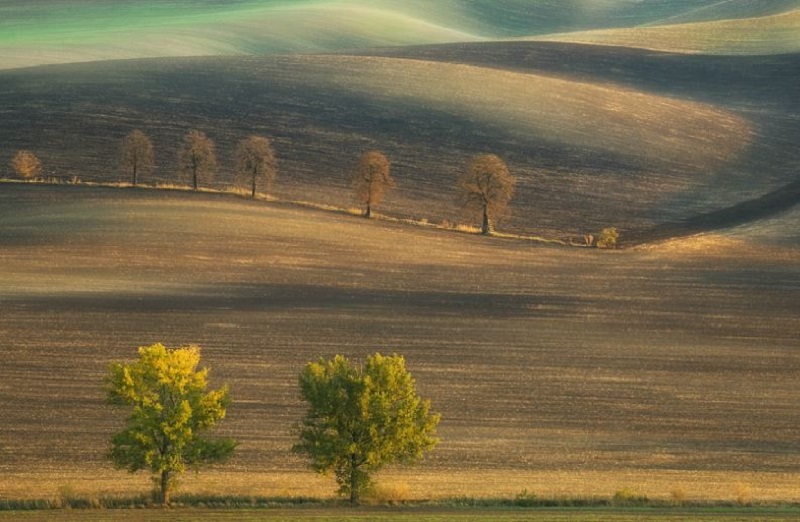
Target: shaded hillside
[760, 88]
[548, 365]
[598, 137]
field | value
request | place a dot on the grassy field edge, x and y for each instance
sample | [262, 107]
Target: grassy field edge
[524, 500]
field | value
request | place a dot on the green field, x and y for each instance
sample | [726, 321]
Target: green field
[52, 31]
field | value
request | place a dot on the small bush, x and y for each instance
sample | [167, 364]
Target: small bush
[469, 229]
[609, 238]
[743, 494]
[678, 496]
[390, 493]
[525, 498]
[628, 497]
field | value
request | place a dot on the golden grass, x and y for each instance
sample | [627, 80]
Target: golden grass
[741, 246]
[397, 485]
[775, 34]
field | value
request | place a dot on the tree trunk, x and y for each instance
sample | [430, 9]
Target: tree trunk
[368, 211]
[254, 185]
[194, 176]
[134, 175]
[353, 480]
[487, 224]
[165, 487]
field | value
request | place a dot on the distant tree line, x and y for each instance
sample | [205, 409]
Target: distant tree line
[484, 191]
[197, 159]
[358, 419]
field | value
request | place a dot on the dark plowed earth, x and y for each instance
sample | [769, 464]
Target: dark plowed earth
[74, 116]
[541, 360]
[770, 205]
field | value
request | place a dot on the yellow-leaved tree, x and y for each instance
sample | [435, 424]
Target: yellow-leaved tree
[170, 410]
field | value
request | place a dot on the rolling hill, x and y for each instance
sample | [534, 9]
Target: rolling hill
[52, 31]
[775, 34]
[670, 366]
[568, 372]
[583, 127]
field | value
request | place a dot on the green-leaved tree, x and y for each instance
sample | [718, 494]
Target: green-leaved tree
[361, 418]
[170, 410]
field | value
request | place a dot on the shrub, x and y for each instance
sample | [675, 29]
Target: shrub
[609, 238]
[678, 496]
[389, 493]
[525, 498]
[743, 494]
[628, 497]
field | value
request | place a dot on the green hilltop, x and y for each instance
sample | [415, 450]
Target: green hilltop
[49, 31]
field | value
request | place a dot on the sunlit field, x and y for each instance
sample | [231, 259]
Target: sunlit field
[53, 31]
[775, 34]
[560, 371]
[417, 515]
[596, 137]
[656, 380]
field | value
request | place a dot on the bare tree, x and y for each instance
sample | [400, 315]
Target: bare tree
[137, 154]
[255, 160]
[197, 157]
[371, 179]
[486, 187]
[26, 164]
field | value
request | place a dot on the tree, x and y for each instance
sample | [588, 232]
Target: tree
[197, 157]
[486, 187]
[362, 418]
[26, 164]
[137, 154]
[170, 410]
[255, 160]
[371, 179]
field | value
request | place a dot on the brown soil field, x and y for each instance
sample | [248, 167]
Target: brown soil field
[668, 370]
[597, 136]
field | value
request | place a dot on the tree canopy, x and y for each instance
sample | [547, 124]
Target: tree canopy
[255, 160]
[137, 154]
[486, 187]
[170, 409]
[26, 164]
[361, 418]
[371, 179]
[197, 157]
